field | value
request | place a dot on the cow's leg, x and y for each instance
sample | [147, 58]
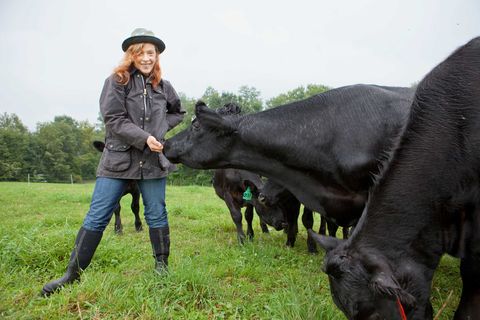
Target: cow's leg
[236, 214]
[307, 219]
[136, 211]
[345, 232]
[249, 219]
[292, 222]
[332, 229]
[118, 221]
[323, 225]
[469, 307]
[264, 227]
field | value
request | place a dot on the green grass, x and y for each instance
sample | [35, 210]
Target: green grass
[211, 277]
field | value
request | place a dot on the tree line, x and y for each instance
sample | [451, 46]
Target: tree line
[62, 150]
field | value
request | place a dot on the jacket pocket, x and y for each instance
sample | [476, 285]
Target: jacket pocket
[116, 156]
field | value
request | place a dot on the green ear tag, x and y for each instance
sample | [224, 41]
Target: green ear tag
[247, 195]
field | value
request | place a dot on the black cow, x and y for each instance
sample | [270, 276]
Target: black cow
[426, 203]
[230, 185]
[322, 149]
[278, 206]
[131, 188]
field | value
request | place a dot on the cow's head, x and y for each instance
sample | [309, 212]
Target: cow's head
[270, 204]
[206, 143]
[363, 285]
[272, 215]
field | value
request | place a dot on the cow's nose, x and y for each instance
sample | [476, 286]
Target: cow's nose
[168, 151]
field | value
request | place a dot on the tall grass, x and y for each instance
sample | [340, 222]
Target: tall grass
[212, 277]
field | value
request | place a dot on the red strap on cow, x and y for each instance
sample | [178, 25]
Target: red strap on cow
[400, 309]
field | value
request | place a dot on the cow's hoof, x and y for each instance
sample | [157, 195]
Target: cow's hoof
[241, 240]
[290, 244]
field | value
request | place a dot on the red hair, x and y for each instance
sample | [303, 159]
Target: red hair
[126, 64]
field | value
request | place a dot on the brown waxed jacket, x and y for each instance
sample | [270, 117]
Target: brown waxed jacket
[132, 113]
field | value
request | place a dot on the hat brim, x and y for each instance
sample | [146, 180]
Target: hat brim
[142, 39]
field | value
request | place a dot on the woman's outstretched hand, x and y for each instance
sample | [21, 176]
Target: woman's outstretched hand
[154, 145]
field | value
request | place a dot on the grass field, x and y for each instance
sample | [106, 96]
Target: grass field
[211, 277]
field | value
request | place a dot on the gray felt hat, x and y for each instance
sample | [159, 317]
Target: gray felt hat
[140, 35]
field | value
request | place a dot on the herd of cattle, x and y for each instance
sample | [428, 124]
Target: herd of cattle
[400, 166]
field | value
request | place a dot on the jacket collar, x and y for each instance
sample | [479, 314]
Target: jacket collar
[134, 71]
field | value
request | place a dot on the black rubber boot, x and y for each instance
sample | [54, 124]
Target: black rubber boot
[85, 246]
[160, 239]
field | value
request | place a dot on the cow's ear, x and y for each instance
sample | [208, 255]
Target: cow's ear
[211, 119]
[386, 285]
[326, 242]
[383, 281]
[200, 105]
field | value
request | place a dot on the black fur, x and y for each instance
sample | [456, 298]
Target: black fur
[426, 204]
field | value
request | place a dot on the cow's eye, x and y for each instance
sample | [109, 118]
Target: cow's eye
[333, 270]
[195, 125]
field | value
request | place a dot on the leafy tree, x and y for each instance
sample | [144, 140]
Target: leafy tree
[296, 94]
[33, 165]
[248, 98]
[187, 176]
[14, 142]
[214, 99]
[99, 125]
[66, 149]
[88, 157]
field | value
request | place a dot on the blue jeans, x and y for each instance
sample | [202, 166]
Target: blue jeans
[108, 192]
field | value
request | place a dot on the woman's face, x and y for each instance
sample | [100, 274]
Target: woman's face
[145, 60]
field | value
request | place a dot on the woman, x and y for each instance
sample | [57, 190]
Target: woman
[138, 108]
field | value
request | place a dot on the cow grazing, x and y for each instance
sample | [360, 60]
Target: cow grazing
[132, 188]
[426, 203]
[230, 185]
[322, 149]
[278, 206]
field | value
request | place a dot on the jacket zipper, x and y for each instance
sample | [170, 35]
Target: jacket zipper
[144, 102]
[143, 120]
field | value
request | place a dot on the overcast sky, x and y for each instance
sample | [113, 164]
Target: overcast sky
[56, 54]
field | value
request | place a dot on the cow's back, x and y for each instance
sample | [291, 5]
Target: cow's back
[341, 133]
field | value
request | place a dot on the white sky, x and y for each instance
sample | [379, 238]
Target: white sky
[56, 54]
